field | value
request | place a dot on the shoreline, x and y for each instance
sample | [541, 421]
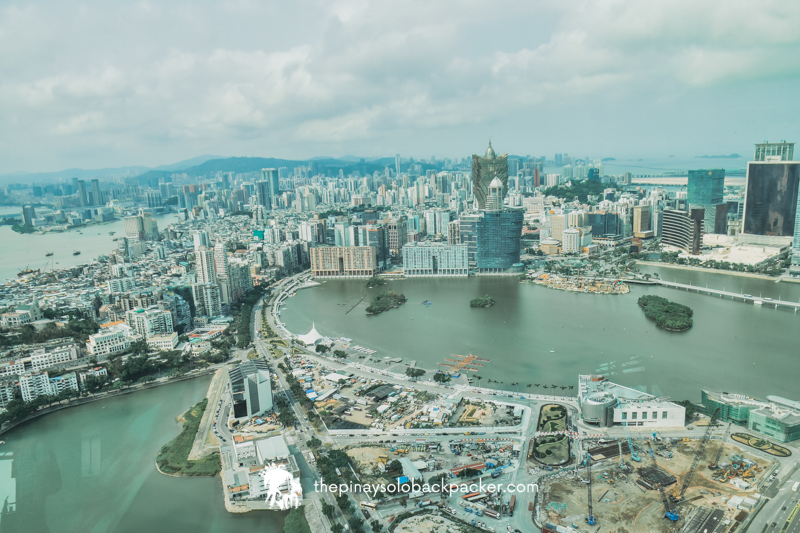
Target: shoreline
[711, 270]
[83, 401]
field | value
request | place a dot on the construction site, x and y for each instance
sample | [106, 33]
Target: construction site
[699, 485]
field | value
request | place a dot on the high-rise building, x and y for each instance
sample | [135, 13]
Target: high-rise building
[134, 228]
[149, 322]
[376, 236]
[493, 239]
[454, 232]
[571, 241]
[794, 269]
[484, 170]
[642, 221]
[683, 229]
[435, 259]
[205, 265]
[201, 239]
[222, 272]
[705, 191]
[557, 226]
[269, 190]
[82, 196]
[398, 235]
[343, 261]
[494, 201]
[768, 151]
[28, 215]
[207, 299]
[770, 202]
[97, 198]
[706, 187]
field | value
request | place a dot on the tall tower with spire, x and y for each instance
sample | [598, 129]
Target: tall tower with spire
[484, 171]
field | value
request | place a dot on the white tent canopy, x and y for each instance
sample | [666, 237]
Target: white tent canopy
[311, 338]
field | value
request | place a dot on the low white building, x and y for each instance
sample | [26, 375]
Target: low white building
[604, 404]
[23, 314]
[108, 341]
[163, 342]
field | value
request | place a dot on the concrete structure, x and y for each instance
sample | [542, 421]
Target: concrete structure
[605, 403]
[343, 261]
[642, 221]
[435, 259]
[493, 239]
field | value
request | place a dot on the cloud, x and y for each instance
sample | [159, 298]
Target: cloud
[153, 81]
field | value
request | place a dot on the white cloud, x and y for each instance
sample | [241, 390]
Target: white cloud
[357, 75]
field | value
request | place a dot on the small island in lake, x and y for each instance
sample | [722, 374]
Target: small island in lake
[667, 315]
[375, 281]
[485, 301]
[384, 301]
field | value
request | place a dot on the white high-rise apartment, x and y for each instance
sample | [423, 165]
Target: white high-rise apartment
[205, 264]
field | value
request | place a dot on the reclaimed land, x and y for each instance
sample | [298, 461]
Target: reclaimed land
[173, 458]
[384, 301]
[666, 314]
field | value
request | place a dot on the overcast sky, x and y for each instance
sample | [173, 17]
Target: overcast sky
[104, 83]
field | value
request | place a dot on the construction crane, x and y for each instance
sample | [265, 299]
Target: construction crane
[673, 516]
[634, 455]
[590, 519]
[687, 479]
[621, 462]
[714, 464]
[652, 453]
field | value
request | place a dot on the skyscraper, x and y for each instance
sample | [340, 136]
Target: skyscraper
[28, 215]
[794, 269]
[683, 229]
[268, 191]
[82, 199]
[706, 191]
[484, 170]
[205, 265]
[770, 202]
[201, 239]
[96, 198]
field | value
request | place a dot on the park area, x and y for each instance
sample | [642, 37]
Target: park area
[551, 450]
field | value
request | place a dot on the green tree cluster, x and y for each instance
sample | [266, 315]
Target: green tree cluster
[384, 301]
[666, 314]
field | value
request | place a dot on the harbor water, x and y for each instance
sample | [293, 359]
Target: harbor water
[536, 335]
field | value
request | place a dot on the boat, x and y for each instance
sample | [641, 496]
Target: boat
[48, 254]
[27, 271]
[76, 252]
[552, 351]
[111, 232]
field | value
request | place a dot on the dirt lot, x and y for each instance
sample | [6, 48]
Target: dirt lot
[367, 457]
[428, 523]
[626, 506]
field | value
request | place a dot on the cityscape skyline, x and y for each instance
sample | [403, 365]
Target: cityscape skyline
[380, 80]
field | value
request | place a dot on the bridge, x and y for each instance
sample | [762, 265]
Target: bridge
[746, 298]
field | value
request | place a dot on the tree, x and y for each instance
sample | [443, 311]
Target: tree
[376, 526]
[395, 466]
[340, 354]
[441, 378]
[337, 528]
[414, 372]
[321, 348]
[314, 443]
[328, 510]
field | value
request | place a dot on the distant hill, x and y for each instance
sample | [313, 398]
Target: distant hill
[100, 173]
[732, 156]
